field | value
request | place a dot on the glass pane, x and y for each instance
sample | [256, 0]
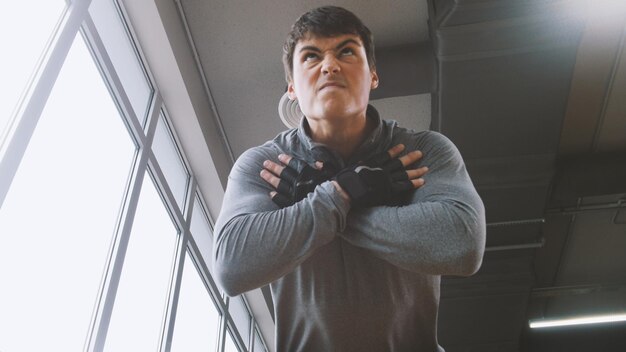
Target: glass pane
[141, 297]
[258, 343]
[122, 54]
[60, 213]
[197, 318]
[230, 344]
[241, 317]
[21, 52]
[170, 162]
[201, 232]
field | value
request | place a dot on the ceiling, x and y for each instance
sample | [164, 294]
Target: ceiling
[534, 95]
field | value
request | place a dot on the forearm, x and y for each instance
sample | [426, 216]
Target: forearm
[253, 249]
[441, 238]
[439, 230]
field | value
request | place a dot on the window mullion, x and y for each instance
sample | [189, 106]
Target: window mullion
[131, 31]
[250, 325]
[202, 201]
[223, 325]
[206, 276]
[177, 272]
[237, 336]
[220, 299]
[164, 186]
[113, 80]
[104, 306]
[153, 119]
[31, 107]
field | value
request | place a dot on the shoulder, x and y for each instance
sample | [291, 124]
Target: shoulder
[255, 156]
[423, 140]
[439, 152]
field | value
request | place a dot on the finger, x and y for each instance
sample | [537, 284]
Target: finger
[297, 165]
[394, 165]
[400, 176]
[270, 178]
[402, 186]
[273, 167]
[416, 173]
[418, 182]
[284, 187]
[396, 150]
[411, 157]
[281, 200]
[387, 159]
[289, 174]
[284, 158]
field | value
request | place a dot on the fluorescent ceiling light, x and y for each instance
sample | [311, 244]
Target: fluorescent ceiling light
[546, 323]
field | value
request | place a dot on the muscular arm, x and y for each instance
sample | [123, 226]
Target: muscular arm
[441, 231]
[256, 243]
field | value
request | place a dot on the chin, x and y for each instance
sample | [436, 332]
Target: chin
[338, 108]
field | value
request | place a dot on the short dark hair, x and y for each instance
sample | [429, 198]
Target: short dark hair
[326, 21]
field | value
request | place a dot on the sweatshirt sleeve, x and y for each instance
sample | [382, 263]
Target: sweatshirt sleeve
[441, 231]
[255, 242]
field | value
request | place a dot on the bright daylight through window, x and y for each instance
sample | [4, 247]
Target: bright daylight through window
[138, 311]
[57, 221]
[104, 233]
[197, 318]
[35, 28]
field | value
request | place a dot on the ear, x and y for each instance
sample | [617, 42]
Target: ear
[291, 92]
[374, 84]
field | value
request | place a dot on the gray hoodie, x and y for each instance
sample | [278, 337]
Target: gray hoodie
[351, 279]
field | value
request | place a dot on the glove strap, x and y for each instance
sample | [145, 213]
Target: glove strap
[351, 183]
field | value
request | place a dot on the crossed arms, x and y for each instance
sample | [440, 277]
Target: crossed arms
[440, 231]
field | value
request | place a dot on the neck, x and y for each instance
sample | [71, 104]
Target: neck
[342, 135]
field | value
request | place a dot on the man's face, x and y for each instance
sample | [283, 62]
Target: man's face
[331, 76]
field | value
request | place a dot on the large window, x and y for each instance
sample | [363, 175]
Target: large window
[197, 318]
[57, 220]
[143, 288]
[103, 232]
[35, 28]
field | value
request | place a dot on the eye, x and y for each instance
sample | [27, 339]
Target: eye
[347, 52]
[309, 56]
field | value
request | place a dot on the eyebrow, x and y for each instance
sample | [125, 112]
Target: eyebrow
[339, 46]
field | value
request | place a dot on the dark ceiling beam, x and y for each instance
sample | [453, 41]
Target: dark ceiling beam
[504, 73]
[619, 205]
[462, 45]
[405, 70]
[512, 188]
[508, 36]
[589, 175]
[504, 77]
[517, 246]
[556, 291]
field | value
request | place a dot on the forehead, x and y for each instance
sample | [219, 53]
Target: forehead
[324, 42]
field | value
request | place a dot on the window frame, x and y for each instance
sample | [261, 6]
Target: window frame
[76, 20]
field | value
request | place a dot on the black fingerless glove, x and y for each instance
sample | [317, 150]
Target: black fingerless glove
[297, 180]
[374, 181]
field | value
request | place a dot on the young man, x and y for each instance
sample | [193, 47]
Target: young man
[341, 216]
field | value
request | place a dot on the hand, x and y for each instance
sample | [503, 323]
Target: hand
[378, 179]
[294, 181]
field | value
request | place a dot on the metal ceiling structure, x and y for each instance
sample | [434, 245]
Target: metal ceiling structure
[534, 95]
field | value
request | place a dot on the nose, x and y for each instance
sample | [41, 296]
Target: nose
[330, 65]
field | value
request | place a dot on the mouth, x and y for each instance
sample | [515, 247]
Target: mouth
[332, 85]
